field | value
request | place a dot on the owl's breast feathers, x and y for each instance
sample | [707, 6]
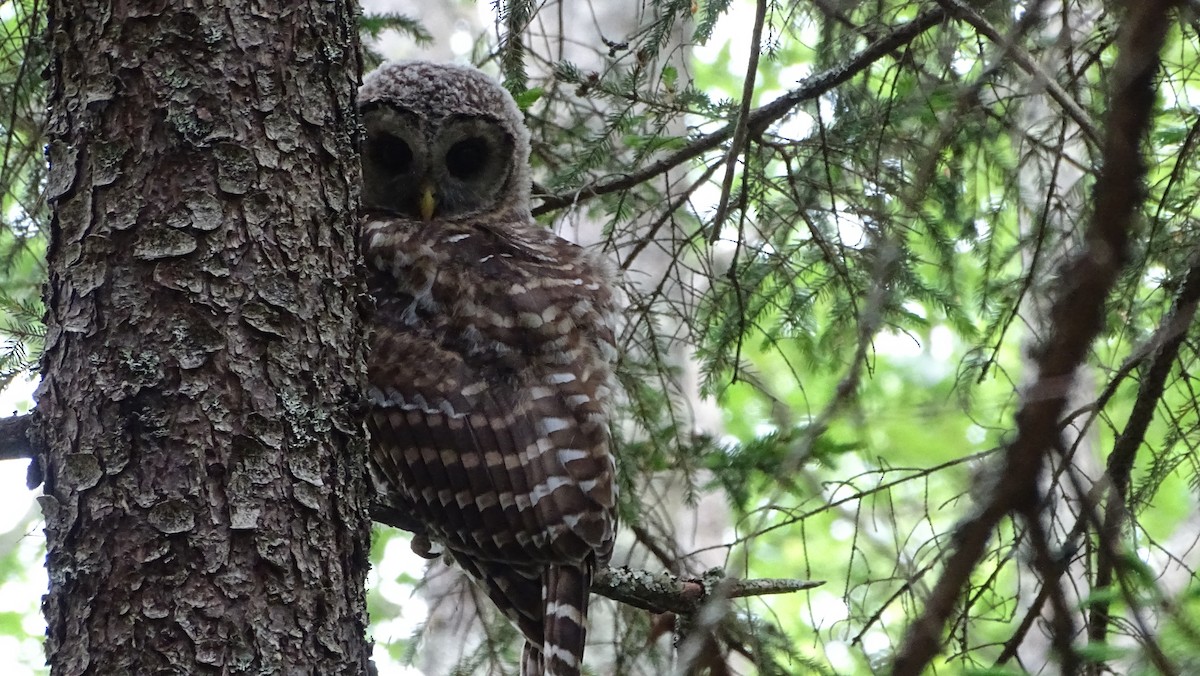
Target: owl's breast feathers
[489, 370]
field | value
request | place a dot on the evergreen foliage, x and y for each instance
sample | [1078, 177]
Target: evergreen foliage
[854, 263]
[23, 213]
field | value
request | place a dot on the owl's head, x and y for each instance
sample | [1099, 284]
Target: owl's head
[442, 142]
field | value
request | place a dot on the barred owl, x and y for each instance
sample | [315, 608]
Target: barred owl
[490, 356]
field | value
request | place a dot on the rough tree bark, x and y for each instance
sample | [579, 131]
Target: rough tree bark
[205, 503]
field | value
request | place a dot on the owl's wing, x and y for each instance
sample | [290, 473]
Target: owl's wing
[493, 467]
[516, 590]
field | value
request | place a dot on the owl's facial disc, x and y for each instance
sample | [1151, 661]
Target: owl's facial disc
[392, 153]
[471, 163]
[440, 168]
[393, 160]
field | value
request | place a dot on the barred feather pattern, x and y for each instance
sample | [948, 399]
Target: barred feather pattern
[489, 372]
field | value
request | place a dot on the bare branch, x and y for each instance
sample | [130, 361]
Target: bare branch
[663, 593]
[1121, 460]
[1076, 317]
[14, 442]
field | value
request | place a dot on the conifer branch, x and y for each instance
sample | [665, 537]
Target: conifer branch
[759, 119]
[1076, 318]
[660, 593]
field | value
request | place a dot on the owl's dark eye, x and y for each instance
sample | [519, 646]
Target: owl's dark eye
[391, 153]
[467, 158]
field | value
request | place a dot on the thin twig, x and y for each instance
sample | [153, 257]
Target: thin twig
[740, 132]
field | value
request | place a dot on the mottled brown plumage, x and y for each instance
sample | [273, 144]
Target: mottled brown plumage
[490, 356]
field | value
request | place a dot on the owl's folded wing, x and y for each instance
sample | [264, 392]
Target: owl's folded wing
[489, 466]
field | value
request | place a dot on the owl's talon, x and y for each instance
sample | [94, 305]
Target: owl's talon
[425, 548]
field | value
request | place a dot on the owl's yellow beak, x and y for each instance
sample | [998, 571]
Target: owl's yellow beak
[428, 202]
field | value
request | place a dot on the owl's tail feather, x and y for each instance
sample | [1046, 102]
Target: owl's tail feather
[565, 590]
[531, 660]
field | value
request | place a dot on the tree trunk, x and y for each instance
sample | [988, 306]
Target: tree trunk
[205, 497]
